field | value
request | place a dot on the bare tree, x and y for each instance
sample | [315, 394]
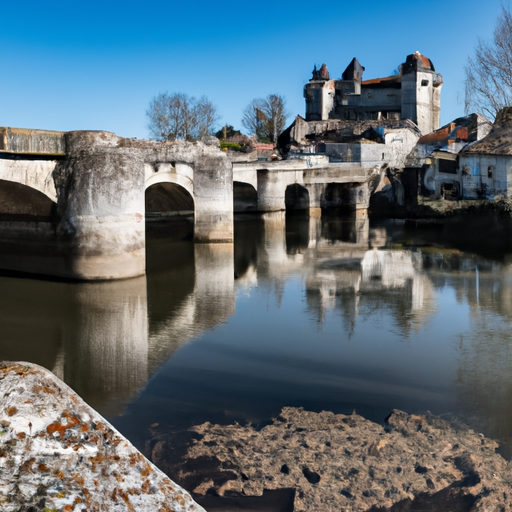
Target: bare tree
[206, 118]
[253, 118]
[489, 73]
[180, 117]
[265, 117]
[276, 116]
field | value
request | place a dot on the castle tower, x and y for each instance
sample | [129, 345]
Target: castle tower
[421, 92]
[319, 94]
[353, 75]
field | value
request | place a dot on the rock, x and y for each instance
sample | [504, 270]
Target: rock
[339, 462]
[58, 454]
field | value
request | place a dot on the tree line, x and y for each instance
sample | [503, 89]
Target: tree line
[178, 116]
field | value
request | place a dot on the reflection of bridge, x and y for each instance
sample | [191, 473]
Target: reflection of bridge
[101, 338]
[73, 204]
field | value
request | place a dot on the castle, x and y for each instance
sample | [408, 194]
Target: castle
[414, 94]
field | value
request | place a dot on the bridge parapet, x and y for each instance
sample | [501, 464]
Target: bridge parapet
[22, 141]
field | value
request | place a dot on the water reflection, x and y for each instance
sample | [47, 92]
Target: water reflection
[340, 314]
[93, 335]
[190, 288]
[100, 337]
[105, 355]
[324, 313]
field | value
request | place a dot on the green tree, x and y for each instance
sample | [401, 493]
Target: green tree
[226, 132]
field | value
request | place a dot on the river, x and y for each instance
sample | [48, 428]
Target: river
[323, 313]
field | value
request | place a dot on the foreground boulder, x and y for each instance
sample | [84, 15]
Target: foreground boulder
[58, 454]
[338, 462]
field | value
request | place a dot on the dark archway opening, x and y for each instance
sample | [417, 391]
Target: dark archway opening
[296, 197]
[169, 211]
[22, 203]
[334, 198]
[28, 221]
[165, 199]
[245, 197]
[341, 198]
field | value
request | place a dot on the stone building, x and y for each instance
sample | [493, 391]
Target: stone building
[414, 94]
[437, 157]
[485, 167]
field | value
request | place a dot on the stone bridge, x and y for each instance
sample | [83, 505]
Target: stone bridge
[74, 204]
[311, 183]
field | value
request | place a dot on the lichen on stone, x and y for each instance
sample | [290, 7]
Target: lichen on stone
[58, 454]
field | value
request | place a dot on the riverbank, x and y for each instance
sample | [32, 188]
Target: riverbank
[322, 461]
[56, 453]
[440, 209]
[443, 208]
[480, 226]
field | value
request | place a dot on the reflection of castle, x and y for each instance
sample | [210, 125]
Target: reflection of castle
[377, 279]
[484, 377]
[340, 268]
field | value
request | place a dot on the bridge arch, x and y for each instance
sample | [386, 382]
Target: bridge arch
[170, 172]
[245, 197]
[36, 174]
[19, 201]
[168, 190]
[296, 197]
[164, 196]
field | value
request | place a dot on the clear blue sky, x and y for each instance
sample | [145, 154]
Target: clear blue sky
[97, 64]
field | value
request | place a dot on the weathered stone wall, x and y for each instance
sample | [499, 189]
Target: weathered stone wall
[95, 208]
[205, 172]
[485, 176]
[319, 99]
[35, 142]
[393, 153]
[100, 188]
[272, 188]
[421, 99]
[36, 174]
[382, 99]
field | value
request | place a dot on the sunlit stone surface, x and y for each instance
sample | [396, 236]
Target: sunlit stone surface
[57, 453]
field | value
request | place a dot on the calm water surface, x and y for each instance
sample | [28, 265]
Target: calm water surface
[329, 314]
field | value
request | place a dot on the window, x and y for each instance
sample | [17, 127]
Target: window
[448, 166]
